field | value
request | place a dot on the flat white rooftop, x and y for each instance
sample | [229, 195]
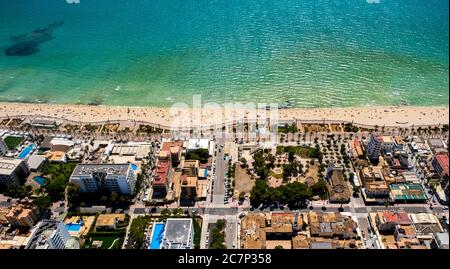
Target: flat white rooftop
[198, 144]
[7, 165]
[177, 231]
[110, 169]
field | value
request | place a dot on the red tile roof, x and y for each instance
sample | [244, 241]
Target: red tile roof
[161, 173]
[400, 217]
[442, 159]
[167, 145]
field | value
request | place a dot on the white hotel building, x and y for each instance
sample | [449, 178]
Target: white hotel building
[178, 234]
[48, 234]
[119, 178]
[12, 171]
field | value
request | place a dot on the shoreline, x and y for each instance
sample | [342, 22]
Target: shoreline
[398, 116]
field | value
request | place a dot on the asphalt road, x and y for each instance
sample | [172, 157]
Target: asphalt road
[364, 225]
[223, 210]
[219, 188]
[231, 232]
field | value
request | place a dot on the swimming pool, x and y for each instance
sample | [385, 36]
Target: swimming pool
[133, 167]
[157, 236]
[26, 151]
[40, 180]
[74, 227]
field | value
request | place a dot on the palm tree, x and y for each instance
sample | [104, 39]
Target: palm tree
[294, 128]
[435, 130]
[444, 128]
[419, 130]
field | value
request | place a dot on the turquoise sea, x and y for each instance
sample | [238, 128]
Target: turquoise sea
[299, 53]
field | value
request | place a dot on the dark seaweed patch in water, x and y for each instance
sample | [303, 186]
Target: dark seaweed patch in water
[96, 101]
[27, 44]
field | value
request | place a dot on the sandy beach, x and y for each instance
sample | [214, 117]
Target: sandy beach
[381, 116]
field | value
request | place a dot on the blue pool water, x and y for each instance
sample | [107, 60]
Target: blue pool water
[40, 180]
[157, 236]
[27, 151]
[134, 167]
[73, 227]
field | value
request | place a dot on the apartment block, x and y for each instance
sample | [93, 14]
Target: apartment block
[118, 178]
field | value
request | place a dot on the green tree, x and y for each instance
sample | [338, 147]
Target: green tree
[165, 213]
[291, 156]
[197, 233]
[58, 174]
[320, 189]
[199, 154]
[137, 230]
[271, 160]
[351, 175]
[17, 191]
[177, 212]
[241, 196]
[218, 235]
[257, 192]
[73, 194]
[263, 173]
[221, 223]
[42, 202]
[244, 163]
[56, 188]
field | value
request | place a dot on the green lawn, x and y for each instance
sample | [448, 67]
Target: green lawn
[302, 151]
[13, 141]
[275, 175]
[108, 240]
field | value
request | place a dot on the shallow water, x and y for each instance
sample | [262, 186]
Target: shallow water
[310, 53]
